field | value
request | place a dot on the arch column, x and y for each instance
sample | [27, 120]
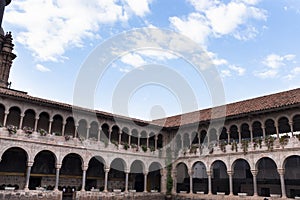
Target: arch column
[163, 173]
[5, 117]
[251, 133]
[50, 126]
[155, 142]
[120, 137]
[138, 138]
[147, 141]
[57, 167]
[174, 189]
[276, 128]
[28, 170]
[281, 173]
[264, 131]
[209, 181]
[88, 132]
[230, 173]
[126, 180]
[63, 128]
[145, 181]
[84, 168]
[254, 174]
[239, 134]
[129, 139]
[106, 170]
[109, 135]
[21, 121]
[291, 126]
[191, 180]
[99, 134]
[76, 131]
[36, 123]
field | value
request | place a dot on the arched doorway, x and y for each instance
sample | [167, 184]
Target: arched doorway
[292, 176]
[154, 177]
[43, 171]
[136, 176]
[200, 181]
[242, 178]
[13, 168]
[116, 175]
[95, 174]
[267, 178]
[183, 178]
[220, 181]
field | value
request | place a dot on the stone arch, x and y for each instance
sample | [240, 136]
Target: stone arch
[200, 180]
[13, 167]
[296, 123]
[283, 125]
[136, 175]
[257, 130]
[154, 177]
[183, 178]
[70, 127]
[267, 178]
[234, 133]
[245, 131]
[82, 128]
[186, 140]
[242, 178]
[270, 127]
[43, 170]
[14, 116]
[143, 139]
[220, 180]
[57, 125]
[43, 122]
[115, 134]
[125, 135]
[116, 175]
[291, 166]
[224, 134]
[93, 131]
[95, 173]
[29, 118]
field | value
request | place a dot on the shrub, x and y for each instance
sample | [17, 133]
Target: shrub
[144, 148]
[12, 129]
[27, 130]
[42, 132]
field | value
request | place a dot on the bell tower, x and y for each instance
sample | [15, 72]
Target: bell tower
[6, 47]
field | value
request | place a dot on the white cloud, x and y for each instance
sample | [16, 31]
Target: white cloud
[225, 73]
[240, 71]
[133, 60]
[293, 74]
[271, 73]
[139, 7]
[49, 28]
[275, 61]
[158, 55]
[42, 68]
[214, 16]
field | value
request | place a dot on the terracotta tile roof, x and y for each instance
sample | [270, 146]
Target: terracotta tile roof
[277, 100]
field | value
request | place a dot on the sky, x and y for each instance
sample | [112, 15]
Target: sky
[252, 44]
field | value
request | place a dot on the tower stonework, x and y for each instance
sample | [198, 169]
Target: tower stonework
[6, 58]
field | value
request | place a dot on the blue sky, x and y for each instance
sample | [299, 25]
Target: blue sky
[253, 44]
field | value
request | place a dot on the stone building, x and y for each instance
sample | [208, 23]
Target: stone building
[252, 149]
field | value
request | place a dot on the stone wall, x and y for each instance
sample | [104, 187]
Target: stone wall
[120, 196]
[30, 195]
[13, 180]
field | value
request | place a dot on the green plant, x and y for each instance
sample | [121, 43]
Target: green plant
[283, 140]
[126, 145]
[244, 147]
[42, 132]
[115, 143]
[257, 142]
[12, 129]
[27, 130]
[144, 148]
[193, 149]
[169, 185]
[234, 146]
[67, 137]
[152, 148]
[269, 141]
[222, 145]
[133, 146]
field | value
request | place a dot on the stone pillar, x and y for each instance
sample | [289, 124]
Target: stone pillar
[147, 141]
[88, 132]
[50, 126]
[251, 133]
[126, 180]
[230, 173]
[63, 128]
[254, 173]
[99, 134]
[129, 139]
[174, 190]
[138, 139]
[106, 170]
[163, 173]
[5, 117]
[240, 134]
[292, 128]
[145, 181]
[21, 120]
[29, 165]
[76, 131]
[209, 181]
[281, 174]
[109, 135]
[84, 168]
[191, 180]
[120, 137]
[277, 129]
[36, 123]
[264, 131]
[155, 142]
[58, 166]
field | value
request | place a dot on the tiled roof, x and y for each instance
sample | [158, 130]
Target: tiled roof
[278, 100]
